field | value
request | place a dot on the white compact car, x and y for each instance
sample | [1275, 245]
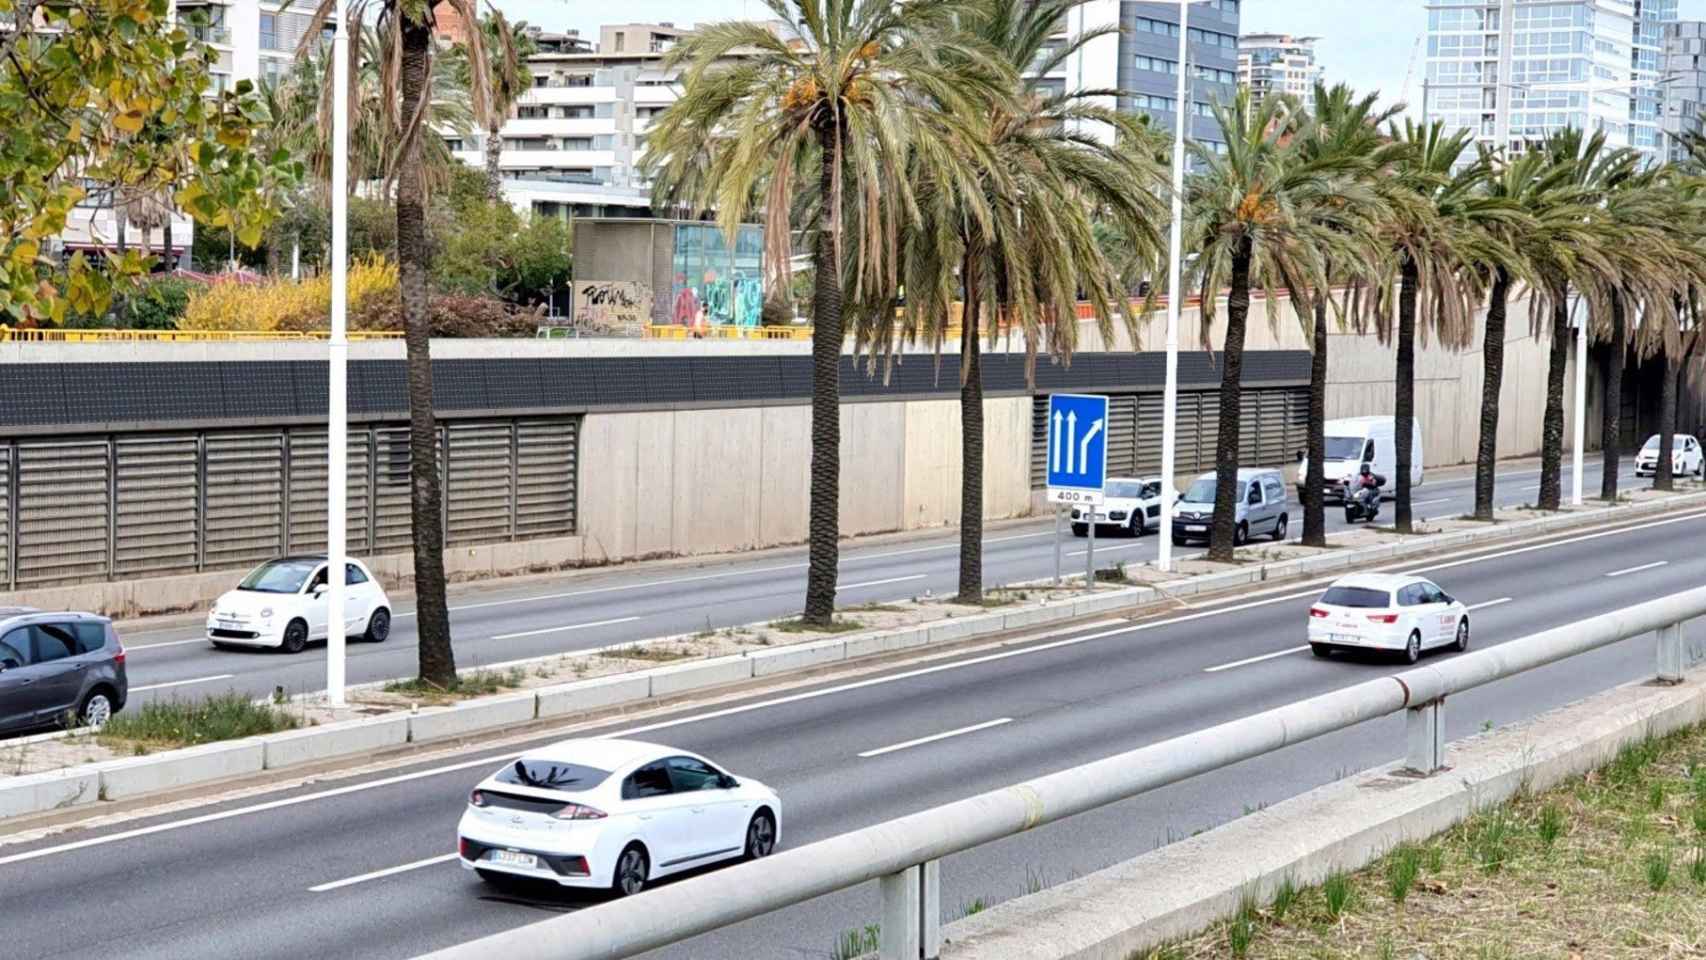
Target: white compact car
[1387, 611]
[613, 814]
[282, 603]
[1686, 457]
[1129, 504]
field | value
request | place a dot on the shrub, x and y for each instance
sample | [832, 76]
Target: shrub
[294, 305]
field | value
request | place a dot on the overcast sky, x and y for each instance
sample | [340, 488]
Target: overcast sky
[1365, 43]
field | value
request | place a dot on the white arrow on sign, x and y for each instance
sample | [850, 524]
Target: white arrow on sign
[1084, 446]
[1057, 443]
[1071, 437]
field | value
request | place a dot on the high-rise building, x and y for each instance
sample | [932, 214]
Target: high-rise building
[1684, 84]
[1277, 63]
[1515, 71]
[1142, 60]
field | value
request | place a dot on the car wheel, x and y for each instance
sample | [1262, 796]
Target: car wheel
[1136, 529]
[761, 836]
[96, 709]
[1241, 535]
[1279, 528]
[1321, 650]
[1462, 643]
[295, 637]
[1080, 530]
[1349, 517]
[629, 876]
[1413, 649]
[378, 626]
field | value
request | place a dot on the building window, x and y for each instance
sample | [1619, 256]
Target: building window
[1213, 75]
[1157, 65]
[1149, 101]
[532, 113]
[269, 31]
[1162, 27]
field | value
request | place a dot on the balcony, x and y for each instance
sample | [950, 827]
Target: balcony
[211, 34]
[559, 127]
[544, 96]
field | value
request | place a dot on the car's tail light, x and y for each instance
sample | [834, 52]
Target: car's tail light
[576, 811]
[1383, 618]
[118, 658]
[467, 849]
[576, 867]
[478, 799]
[1318, 612]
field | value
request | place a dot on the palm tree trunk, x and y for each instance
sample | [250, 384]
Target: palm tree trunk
[1492, 382]
[1404, 405]
[123, 221]
[494, 150]
[1226, 492]
[432, 617]
[1611, 406]
[1662, 474]
[971, 446]
[166, 237]
[825, 527]
[1552, 423]
[1315, 476]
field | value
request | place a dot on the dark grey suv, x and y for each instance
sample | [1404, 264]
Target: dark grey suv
[57, 665]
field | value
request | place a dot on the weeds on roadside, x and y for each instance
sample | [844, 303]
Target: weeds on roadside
[1697, 866]
[1035, 880]
[1551, 825]
[1241, 929]
[1656, 794]
[224, 716]
[1402, 868]
[1338, 891]
[474, 683]
[973, 907]
[1656, 866]
[1489, 841]
[852, 944]
[1285, 896]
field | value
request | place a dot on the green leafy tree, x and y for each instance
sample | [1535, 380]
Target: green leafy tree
[112, 99]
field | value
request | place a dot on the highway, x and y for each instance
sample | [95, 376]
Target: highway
[497, 622]
[362, 868]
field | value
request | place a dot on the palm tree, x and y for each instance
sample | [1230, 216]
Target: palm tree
[832, 116]
[508, 45]
[1340, 124]
[1020, 226]
[402, 61]
[1442, 226]
[1262, 214]
[1559, 236]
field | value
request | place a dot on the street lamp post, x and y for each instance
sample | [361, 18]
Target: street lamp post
[337, 395]
[1175, 243]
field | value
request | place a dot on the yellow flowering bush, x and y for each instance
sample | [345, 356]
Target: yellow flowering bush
[285, 304]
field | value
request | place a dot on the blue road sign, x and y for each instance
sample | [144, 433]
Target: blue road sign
[1077, 447]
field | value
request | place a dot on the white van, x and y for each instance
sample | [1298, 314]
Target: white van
[1353, 441]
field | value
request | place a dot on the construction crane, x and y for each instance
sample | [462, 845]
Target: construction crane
[1410, 72]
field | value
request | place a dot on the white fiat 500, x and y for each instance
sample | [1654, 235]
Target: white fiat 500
[1383, 611]
[613, 814]
[282, 603]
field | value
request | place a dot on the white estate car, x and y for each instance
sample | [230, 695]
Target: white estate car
[613, 814]
[1130, 504]
[1685, 456]
[1387, 611]
[282, 603]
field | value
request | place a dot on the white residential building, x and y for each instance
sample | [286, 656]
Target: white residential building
[1277, 63]
[1516, 71]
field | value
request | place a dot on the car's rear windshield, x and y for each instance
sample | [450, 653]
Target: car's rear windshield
[552, 775]
[1356, 597]
[279, 576]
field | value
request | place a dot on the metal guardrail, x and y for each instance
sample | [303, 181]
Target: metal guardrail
[37, 335]
[904, 855]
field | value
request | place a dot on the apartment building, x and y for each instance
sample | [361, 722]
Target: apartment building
[1516, 71]
[1271, 63]
[1684, 84]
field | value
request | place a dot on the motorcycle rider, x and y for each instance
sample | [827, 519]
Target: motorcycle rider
[1367, 487]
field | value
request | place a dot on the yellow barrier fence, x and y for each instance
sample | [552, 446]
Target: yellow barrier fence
[726, 332]
[34, 335]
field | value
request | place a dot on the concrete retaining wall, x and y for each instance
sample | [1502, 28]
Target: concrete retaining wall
[134, 776]
[53, 790]
[332, 741]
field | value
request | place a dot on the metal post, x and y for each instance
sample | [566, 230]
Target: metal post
[1059, 512]
[1424, 728]
[1090, 552]
[1670, 666]
[337, 394]
[930, 910]
[900, 927]
[296, 258]
[1175, 254]
[1579, 434]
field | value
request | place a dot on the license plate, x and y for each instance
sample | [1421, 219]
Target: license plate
[1346, 638]
[512, 858]
[230, 624]
[1195, 528]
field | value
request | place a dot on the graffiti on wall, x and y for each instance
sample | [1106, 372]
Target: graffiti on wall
[615, 306]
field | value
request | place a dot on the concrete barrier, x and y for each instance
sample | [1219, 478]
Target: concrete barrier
[872, 644]
[53, 790]
[472, 716]
[334, 740]
[134, 776]
[584, 695]
[686, 677]
[797, 657]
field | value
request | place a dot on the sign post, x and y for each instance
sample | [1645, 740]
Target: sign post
[1077, 462]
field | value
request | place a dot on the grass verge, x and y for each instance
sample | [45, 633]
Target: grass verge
[165, 724]
[798, 625]
[1608, 866]
[474, 683]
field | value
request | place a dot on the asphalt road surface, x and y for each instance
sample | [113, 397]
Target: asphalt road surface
[497, 623]
[363, 868]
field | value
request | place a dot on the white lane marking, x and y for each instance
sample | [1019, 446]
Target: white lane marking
[878, 583]
[180, 683]
[1559, 543]
[1644, 566]
[1100, 549]
[133, 647]
[565, 628]
[377, 874]
[943, 546]
[935, 737]
[1429, 503]
[1266, 656]
[1484, 604]
[765, 704]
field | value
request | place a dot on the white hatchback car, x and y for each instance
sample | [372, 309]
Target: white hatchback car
[1129, 504]
[1387, 611]
[1686, 457]
[613, 814]
[282, 603]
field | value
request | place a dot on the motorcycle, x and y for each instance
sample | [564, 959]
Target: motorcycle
[1361, 503]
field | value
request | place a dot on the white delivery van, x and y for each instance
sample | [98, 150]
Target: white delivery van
[1353, 441]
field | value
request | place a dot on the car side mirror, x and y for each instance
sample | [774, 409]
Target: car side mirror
[9, 664]
[319, 588]
[727, 782]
